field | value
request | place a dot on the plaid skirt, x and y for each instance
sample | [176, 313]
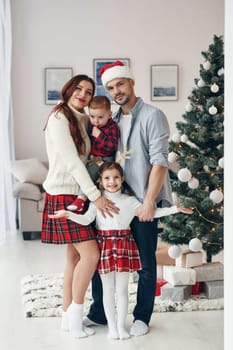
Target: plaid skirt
[118, 251]
[62, 231]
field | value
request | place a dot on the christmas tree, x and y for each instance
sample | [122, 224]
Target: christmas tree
[196, 158]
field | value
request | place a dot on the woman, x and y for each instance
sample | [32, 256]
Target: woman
[68, 146]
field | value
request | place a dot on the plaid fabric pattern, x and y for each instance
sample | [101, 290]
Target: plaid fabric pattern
[118, 251]
[62, 231]
[107, 142]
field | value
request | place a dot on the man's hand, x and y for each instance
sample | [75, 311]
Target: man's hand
[146, 212]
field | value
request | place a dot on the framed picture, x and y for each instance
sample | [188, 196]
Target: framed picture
[55, 78]
[98, 64]
[164, 82]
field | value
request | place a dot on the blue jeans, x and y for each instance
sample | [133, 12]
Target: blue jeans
[145, 235]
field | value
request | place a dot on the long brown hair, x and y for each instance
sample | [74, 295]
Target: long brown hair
[65, 95]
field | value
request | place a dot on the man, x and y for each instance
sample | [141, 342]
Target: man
[142, 150]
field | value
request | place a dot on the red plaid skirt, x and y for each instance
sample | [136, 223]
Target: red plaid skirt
[62, 231]
[118, 251]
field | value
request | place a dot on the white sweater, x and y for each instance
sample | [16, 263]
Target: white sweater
[67, 170]
[121, 221]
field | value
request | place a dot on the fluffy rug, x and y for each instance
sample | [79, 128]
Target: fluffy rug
[42, 297]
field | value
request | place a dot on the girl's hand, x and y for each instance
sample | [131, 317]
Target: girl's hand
[59, 214]
[185, 210]
[106, 206]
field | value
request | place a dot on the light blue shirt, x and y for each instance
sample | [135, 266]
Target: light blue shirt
[148, 143]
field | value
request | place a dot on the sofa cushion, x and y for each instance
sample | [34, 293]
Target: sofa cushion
[27, 191]
[29, 170]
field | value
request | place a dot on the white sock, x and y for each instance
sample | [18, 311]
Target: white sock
[75, 315]
[65, 321]
[89, 323]
[108, 282]
[122, 281]
[139, 328]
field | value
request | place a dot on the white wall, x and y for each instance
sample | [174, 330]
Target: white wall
[50, 33]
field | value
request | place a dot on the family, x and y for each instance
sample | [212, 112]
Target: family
[106, 186]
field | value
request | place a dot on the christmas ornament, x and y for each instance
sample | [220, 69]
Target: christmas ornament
[214, 88]
[221, 162]
[174, 251]
[200, 83]
[176, 137]
[172, 156]
[184, 175]
[213, 110]
[193, 183]
[195, 245]
[188, 107]
[216, 196]
[206, 65]
[220, 71]
[184, 138]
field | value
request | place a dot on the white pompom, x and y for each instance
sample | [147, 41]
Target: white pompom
[174, 251]
[195, 245]
[184, 138]
[216, 196]
[193, 183]
[214, 88]
[200, 83]
[213, 110]
[172, 156]
[188, 107]
[175, 198]
[206, 65]
[184, 175]
[220, 71]
[221, 163]
[176, 137]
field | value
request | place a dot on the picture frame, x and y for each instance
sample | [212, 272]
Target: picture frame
[98, 63]
[164, 82]
[55, 78]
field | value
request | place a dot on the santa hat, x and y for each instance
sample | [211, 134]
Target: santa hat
[114, 70]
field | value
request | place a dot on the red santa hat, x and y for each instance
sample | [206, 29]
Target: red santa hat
[114, 70]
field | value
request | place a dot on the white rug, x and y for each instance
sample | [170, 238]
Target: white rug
[42, 297]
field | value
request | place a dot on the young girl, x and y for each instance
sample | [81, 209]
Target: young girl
[118, 251]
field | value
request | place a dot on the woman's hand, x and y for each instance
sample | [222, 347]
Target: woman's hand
[184, 210]
[106, 206]
[59, 214]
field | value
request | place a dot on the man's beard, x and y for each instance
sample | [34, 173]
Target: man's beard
[123, 102]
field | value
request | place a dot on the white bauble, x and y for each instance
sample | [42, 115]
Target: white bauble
[216, 196]
[206, 65]
[184, 175]
[188, 107]
[214, 88]
[176, 137]
[220, 71]
[174, 251]
[200, 83]
[175, 198]
[213, 110]
[195, 245]
[193, 183]
[221, 162]
[184, 138]
[172, 156]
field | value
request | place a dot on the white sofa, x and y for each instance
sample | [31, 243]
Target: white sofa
[28, 191]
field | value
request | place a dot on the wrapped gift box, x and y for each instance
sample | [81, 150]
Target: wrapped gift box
[189, 258]
[162, 256]
[209, 272]
[179, 276]
[178, 293]
[213, 289]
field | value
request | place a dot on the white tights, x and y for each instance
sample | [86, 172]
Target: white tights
[115, 299]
